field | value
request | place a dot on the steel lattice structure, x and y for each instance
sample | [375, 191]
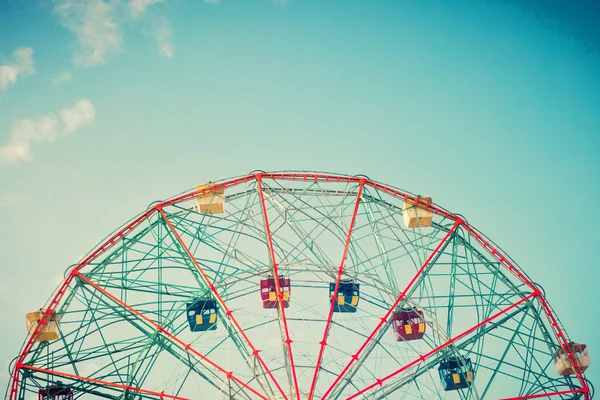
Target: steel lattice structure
[122, 310]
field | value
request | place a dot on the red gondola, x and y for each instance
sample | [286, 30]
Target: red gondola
[268, 292]
[57, 392]
[408, 324]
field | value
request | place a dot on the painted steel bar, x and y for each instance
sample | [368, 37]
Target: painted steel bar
[559, 331]
[383, 320]
[160, 395]
[305, 176]
[184, 346]
[333, 299]
[228, 311]
[110, 242]
[540, 395]
[45, 318]
[555, 324]
[213, 187]
[288, 340]
[308, 176]
[423, 357]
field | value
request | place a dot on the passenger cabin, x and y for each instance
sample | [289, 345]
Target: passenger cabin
[562, 364]
[211, 202]
[408, 324]
[50, 330]
[202, 315]
[268, 292]
[414, 215]
[347, 296]
[57, 392]
[456, 374]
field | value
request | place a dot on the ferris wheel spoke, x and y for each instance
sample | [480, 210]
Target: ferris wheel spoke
[128, 331]
[228, 312]
[555, 324]
[306, 238]
[285, 333]
[186, 347]
[106, 384]
[323, 342]
[384, 320]
[424, 357]
[400, 381]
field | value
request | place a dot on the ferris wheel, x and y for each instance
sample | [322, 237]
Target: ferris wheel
[294, 285]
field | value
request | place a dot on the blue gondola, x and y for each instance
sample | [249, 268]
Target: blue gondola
[347, 296]
[202, 315]
[455, 374]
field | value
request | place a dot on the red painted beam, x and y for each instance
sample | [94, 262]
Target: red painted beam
[182, 345]
[288, 340]
[559, 331]
[228, 311]
[383, 320]
[160, 395]
[423, 357]
[45, 318]
[323, 342]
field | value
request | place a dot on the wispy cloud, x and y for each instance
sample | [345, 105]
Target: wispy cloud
[213, 2]
[47, 128]
[137, 7]
[157, 27]
[96, 30]
[160, 30]
[63, 77]
[22, 65]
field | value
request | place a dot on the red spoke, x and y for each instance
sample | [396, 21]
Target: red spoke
[559, 331]
[160, 395]
[45, 317]
[181, 344]
[352, 366]
[288, 340]
[228, 311]
[114, 239]
[401, 296]
[323, 342]
[423, 357]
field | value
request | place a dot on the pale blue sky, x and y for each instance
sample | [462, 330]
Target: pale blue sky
[490, 108]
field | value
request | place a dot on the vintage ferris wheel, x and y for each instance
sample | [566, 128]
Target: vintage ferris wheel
[298, 286]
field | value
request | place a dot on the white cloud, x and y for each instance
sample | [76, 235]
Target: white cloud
[22, 65]
[157, 27]
[63, 77]
[213, 2]
[137, 7]
[82, 114]
[163, 35]
[47, 128]
[93, 22]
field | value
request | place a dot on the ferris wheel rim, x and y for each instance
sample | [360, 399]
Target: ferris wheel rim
[113, 239]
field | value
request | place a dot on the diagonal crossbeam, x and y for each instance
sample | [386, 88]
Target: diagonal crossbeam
[555, 324]
[281, 309]
[384, 320]
[423, 357]
[182, 345]
[219, 298]
[127, 388]
[323, 342]
[540, 395]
